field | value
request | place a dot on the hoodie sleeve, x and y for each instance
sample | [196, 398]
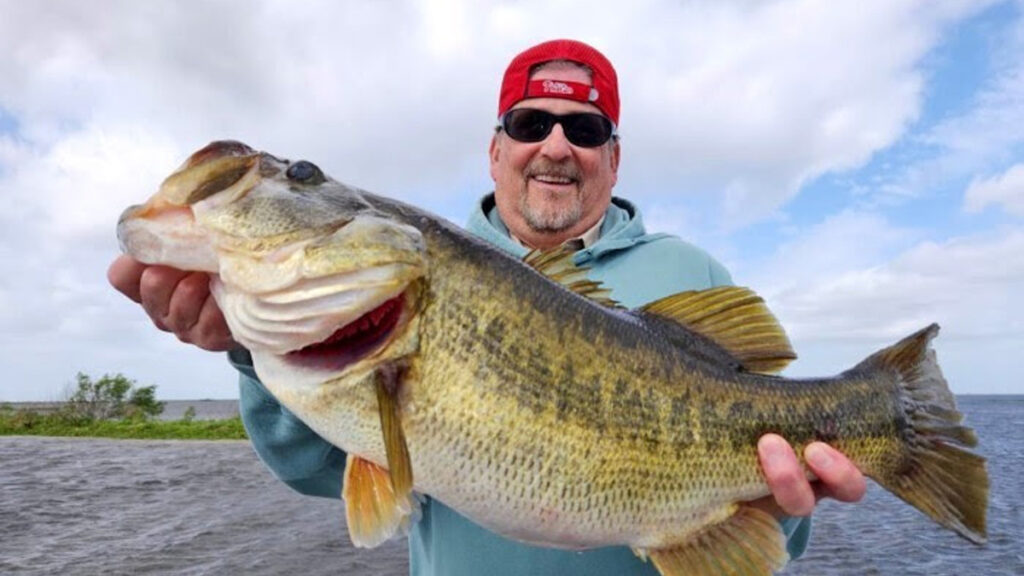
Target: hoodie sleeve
[293, 452]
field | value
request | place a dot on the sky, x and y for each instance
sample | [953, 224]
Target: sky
[859, 164]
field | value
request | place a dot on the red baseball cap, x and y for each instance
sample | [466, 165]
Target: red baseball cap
[603, 93]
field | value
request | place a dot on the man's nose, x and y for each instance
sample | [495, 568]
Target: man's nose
[556, 145]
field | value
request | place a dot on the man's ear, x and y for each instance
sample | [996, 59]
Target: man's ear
[494, 152]
[614, 160]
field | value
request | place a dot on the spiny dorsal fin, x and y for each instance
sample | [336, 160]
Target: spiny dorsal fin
[749, 542]
[557, 265]
[737, 319]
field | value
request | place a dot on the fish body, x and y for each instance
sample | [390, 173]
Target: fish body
[535, 407]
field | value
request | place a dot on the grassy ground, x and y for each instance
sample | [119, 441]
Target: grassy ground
[20, 423]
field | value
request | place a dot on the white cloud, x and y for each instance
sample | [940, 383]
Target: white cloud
[746, 101]
[754, 103]
[977, 140]
[850, 240]
[968, 285]
[93, 174]
[989, 128]
[1006, 189]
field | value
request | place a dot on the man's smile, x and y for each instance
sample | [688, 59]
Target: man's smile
[551, 179]
[553, 176]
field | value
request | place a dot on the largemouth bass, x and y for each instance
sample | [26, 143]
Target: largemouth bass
[518, 393]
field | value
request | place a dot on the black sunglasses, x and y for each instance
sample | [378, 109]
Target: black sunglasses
[583, 129]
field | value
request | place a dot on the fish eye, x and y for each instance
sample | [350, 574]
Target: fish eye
[305, 172]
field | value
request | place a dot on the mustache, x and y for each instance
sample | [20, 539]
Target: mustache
[561, 169]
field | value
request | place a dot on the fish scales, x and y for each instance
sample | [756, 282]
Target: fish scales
[541, 414]
[645, 471]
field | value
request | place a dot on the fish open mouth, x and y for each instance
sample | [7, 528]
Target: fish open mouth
[354, 341]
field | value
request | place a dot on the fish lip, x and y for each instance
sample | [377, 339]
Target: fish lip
[219, 173]
[129, 213]
[218, 149]
[146, 234]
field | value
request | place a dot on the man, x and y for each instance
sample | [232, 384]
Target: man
[554, 161]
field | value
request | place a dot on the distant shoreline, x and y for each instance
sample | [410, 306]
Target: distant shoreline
[180, 420]
[205, 409]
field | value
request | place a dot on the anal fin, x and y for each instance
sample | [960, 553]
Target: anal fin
[374, 511]
[750, 542]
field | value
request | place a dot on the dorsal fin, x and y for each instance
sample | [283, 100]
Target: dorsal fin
[737, 319]
[557, 265]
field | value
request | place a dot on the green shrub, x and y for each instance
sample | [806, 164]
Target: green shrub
[110, 397]
[26, 420]
[114, 407]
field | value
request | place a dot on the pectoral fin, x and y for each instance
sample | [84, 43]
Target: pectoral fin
[375, 512]
[399, 464]
[749, 543]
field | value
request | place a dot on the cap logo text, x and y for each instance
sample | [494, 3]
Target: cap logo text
[555, 87]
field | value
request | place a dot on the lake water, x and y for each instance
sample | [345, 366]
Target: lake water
[89, 506]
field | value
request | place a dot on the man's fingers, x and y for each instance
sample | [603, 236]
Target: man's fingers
[124, 275]
[785, 476]
[156, 287]
[839, 477]
[212, 332]
[186, 302]
[176, 301]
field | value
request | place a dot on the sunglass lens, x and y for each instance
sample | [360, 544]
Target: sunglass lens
[587, 130]
[528, 125]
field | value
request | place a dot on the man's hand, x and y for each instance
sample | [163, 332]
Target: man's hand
[177, 301]
[792, 494]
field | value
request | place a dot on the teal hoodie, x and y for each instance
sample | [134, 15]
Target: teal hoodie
[638, 268]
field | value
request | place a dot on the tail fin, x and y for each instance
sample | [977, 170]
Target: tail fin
[936, 474]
